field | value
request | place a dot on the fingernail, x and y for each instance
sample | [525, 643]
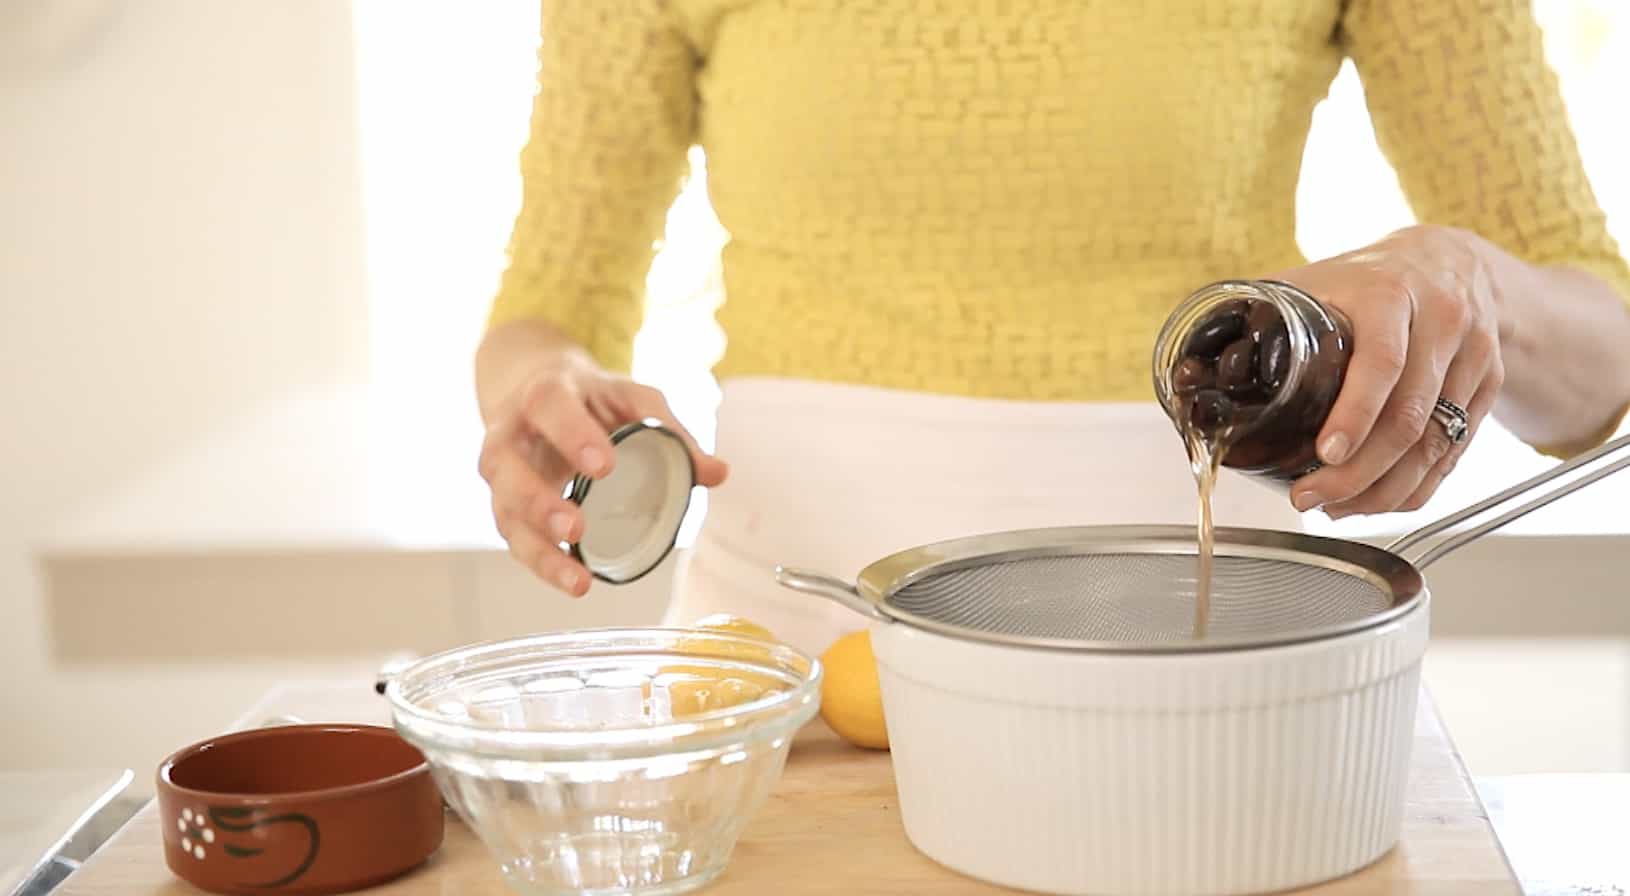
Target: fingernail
[592, 461]
[560, 526]
[569, 579]
[1335, 448]
[1307, 500]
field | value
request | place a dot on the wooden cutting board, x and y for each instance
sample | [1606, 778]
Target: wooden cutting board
[832, 826]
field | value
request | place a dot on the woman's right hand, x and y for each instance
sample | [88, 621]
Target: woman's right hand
[549, 410]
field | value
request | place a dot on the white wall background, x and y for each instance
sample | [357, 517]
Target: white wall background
[180, 235]
[180, 255]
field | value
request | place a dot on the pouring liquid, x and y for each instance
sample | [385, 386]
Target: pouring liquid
[1231, 365]
[1205, 451]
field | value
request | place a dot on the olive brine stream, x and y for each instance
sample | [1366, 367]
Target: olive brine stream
[1231, 366]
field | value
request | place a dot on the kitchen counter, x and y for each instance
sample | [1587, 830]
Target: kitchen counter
[834, 798]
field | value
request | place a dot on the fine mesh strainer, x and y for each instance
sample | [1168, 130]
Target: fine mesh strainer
[1131, 589]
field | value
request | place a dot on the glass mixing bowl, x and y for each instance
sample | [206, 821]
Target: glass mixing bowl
[608, 761]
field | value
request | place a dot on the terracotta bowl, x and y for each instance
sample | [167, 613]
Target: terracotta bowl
[298, 809]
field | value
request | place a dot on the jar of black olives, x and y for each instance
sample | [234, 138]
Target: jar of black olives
[1255, 366]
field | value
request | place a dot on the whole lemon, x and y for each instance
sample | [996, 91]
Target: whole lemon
[851, 701]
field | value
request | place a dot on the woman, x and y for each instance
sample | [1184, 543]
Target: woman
[955, 228]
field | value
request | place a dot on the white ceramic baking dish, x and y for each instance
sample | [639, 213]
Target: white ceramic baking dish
[1054, 729]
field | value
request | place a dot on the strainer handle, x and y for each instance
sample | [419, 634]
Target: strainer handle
[833, 589]
[1516, 491]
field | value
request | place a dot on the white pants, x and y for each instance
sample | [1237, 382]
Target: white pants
[833, 477]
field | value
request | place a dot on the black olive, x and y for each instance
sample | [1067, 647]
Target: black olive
[1262, 318]
[1274, 360]
[1193, 375]
[1236, 370]
[1210, 410]
[1214, 333]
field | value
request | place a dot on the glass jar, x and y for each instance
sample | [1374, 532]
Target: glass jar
[1260, 361]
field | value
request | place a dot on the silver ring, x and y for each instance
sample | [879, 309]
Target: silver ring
[1452, 417]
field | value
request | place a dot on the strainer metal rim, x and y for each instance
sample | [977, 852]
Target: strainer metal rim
[1390, 570]
[1395, 576]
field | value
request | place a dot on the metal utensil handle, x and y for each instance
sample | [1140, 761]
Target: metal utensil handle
[835, 590]
[1516, 491]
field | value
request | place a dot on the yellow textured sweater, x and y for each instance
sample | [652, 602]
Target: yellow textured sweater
[1003, 198]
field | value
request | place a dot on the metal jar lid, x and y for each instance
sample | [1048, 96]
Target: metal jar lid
[631, 516]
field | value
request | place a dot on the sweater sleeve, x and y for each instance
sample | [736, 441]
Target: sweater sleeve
[612, 120]
[1471, 117]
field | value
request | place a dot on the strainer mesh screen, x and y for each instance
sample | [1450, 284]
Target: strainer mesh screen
[1139, 597]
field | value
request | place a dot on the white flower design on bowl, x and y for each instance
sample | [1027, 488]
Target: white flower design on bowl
[195, 832]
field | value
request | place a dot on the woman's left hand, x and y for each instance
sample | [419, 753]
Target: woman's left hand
[1426, 323]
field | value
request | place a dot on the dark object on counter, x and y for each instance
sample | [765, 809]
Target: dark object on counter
[391, 669]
